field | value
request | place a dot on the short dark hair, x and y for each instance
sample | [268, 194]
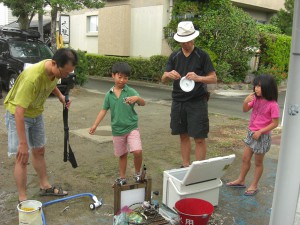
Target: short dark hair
[121, 67]
[64, 56]
[269, 89]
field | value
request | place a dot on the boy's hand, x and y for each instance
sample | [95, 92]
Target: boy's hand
[92, 130]
[131, 99]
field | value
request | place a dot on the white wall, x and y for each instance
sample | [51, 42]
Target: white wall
[265, 4]
[6, 16]
[79, 38]
[146, 31]
[297, 214]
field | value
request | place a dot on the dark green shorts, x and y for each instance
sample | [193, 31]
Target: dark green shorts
[190, 117]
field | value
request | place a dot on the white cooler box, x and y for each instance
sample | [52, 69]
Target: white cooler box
[199, 180]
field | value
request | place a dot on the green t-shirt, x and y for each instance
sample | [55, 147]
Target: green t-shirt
[124, 119]
[30, 91]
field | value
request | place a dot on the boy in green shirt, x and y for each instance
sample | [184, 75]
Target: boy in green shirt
[24, 120]
[120, 99]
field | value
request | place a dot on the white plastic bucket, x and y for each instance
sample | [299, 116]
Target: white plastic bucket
[30, 212]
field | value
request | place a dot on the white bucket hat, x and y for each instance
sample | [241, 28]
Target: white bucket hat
[185, 32]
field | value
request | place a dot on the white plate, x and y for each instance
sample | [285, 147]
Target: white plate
[186, 84]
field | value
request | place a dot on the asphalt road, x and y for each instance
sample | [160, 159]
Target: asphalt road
[225, 103]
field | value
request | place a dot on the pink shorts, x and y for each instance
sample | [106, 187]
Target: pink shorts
[129, 142]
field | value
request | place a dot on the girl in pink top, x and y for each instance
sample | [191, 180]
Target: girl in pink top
[264, 118]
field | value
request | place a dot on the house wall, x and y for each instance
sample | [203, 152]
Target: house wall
[115, 30]
[265, 4]
[146, 33]
[260, 10]
[79, 37]
[150, 16]
[135, 27]
[6, 16]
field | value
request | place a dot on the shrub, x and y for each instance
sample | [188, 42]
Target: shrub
[141, 68]
[275, 50]
[158, 65]
[268, 28]
[278, 73]
[223, 71]
[99, 65]
[81, 69]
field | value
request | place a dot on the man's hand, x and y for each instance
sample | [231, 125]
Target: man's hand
[192, 76]
[22, 154]
[62, 99]
[173, 75]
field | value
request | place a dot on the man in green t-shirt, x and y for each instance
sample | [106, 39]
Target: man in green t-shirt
[24, 120]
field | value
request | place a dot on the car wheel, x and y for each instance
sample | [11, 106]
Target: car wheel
[11, 81]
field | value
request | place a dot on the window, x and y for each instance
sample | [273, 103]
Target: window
[2, 48]
[92, 24]
[22, 49]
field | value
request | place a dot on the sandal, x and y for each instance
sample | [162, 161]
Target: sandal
[53, 191]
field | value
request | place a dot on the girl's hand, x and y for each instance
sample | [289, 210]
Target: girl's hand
[250, 97]
[256, 135]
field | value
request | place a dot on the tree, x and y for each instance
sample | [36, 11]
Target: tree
[68, 5]
[284, 18]
[24, 10]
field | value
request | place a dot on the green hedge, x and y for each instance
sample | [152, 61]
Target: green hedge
[142, 69]
[275, 55]
[275, 50]
[81, 68]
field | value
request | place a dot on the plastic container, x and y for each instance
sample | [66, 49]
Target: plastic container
[30, 212]
[194, 211]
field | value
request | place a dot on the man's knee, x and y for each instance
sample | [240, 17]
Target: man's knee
[200, 141]
[184, 137]
[38, 152]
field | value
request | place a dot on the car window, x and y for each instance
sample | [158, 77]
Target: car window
[3, 47]
[22, 49]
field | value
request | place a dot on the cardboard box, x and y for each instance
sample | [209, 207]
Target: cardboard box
[200, 180]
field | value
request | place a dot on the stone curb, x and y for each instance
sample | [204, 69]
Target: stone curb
[218, 89]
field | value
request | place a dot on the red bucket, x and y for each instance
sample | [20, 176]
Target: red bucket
[194, 211]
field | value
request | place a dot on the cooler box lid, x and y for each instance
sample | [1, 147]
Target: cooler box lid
[203, 171]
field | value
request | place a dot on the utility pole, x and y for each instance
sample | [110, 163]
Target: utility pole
[286, 192]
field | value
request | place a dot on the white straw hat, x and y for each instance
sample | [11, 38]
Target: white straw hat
[185, 32]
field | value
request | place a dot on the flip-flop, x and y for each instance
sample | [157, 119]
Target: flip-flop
[230, 184]
[251, 192]
[51, 191]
